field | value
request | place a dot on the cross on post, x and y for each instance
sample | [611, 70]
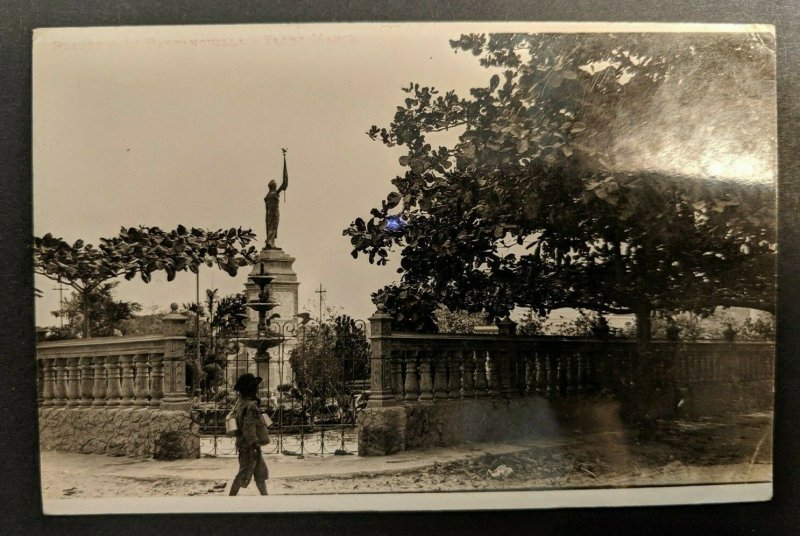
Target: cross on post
[321, 291]
[60, 288]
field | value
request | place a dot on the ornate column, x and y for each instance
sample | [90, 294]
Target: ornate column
[468, 374]
[481, 383]
[87, 380]
[100, 386]
[126, 375]
[173, 362]
[541, 371]
[491, 376]
[411, 386]
[73, 382]
[453, 375]
[140, 386]
[380, 325]
[425, 377]
[48, 378]
[440, 375]
[156, 379]
[61, 381]
[114, 389]
[397, 374]
[175, 397]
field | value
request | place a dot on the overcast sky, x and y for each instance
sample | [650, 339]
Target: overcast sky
[184, 125]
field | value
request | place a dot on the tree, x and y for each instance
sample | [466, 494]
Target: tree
[330, 355]
[448, 321]
[106, 314]
[531, 208]
[139, 250]
[211, 336]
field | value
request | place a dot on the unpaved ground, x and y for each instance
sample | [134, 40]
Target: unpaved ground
[702, 451]
[682, 452]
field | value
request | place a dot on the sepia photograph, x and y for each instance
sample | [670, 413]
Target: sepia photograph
[396, 266]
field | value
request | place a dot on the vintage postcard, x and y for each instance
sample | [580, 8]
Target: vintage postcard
[346, 267]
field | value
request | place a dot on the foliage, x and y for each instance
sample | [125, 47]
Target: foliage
[530, 324]
[526, 209]
[448, 321]
[211, 337]
[140, 251]
[587, 324]
[106, 314]
[330, 355]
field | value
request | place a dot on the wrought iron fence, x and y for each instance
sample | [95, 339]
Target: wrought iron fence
[306, 419]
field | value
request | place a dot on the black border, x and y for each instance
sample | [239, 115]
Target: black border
[20, 502]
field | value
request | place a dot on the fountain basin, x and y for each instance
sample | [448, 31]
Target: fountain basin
[262, 306]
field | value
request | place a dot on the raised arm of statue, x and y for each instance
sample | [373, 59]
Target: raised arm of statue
[285, 182]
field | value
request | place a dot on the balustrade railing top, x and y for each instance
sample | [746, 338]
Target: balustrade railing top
[426, 367]
[145, 371]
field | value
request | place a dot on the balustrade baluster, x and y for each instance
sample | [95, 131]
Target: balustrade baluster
[529, 376]
[49, 392]
[439, 364]
[114, 391]
[87, 380]
[411, 386]
[397, 374]
[100, 388]
[141, 384]
[73, 382]
[39, 382]
[425, 376]
[481, 382]
[492, 372]
[541, 371]
[61, 382]
[468, 374]
[552, 372]
[569, 362]
[126, 375]
[453, 375]
[157, 379]
[579, 372]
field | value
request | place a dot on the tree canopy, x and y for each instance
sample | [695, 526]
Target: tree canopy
[536, 205]
[140, 251]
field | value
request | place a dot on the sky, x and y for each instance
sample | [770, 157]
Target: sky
[184, 125]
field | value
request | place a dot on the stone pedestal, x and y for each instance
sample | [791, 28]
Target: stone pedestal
[284, 291]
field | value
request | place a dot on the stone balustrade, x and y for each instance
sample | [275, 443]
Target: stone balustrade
[147, 372]
[413, 367]
[440, 389]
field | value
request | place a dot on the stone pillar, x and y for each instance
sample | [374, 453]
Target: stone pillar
[175, 397]
[468, 374]
[454, 375]
[425, 377]
[156, 379]
[48, 393]
[61, 382]
[73, 382]
[100, 386]
[126, 374]
[140, 386]
[87, 381]
[174, 363]
[380, 362]
[114, 387]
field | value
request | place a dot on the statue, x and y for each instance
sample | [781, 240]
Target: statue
[271, 203]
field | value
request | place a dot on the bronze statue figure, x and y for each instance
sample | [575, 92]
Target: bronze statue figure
[271, 202]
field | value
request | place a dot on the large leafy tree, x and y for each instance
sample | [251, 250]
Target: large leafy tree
[329, 356]
[535, 206]
[139, 251]
[107, 315]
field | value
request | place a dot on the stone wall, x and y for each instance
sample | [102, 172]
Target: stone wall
[134, 432]
[418, 425]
